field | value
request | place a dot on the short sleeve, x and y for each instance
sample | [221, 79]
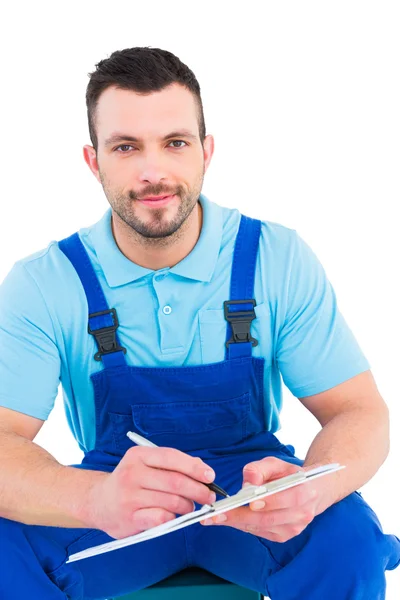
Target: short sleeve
[316, 349]
[29, 358]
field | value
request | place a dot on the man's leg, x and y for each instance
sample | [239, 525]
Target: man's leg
[33, 563]
[342, 554]
[40, 554]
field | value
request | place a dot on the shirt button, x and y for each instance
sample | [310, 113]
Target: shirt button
[167, 310]
[160, 277]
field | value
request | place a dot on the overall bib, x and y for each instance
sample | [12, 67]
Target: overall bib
[214, 411]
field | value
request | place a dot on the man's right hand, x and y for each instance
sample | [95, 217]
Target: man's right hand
[148, 487]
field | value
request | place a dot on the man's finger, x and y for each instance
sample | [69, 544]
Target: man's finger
[296, 496]
[243, 518]
[279, 522]
[268, 469]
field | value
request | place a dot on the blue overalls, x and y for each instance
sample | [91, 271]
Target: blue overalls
[216, 412]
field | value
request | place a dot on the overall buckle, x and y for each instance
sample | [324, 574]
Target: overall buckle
[240, 322]
[106, 336]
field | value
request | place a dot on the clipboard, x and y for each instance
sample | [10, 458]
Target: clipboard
[244, 496]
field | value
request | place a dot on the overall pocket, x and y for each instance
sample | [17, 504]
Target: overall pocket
[189, 425]
[68, 577]
[92, 537]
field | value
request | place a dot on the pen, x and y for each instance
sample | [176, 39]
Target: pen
[141, 441]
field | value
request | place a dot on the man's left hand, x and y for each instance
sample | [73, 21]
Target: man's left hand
[285, 514]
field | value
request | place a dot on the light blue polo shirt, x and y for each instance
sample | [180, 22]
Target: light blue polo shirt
[170, 317]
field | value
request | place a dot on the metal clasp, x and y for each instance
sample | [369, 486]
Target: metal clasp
[240, 322]
[106, 336]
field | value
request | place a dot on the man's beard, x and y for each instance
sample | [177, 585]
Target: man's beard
[157, 226]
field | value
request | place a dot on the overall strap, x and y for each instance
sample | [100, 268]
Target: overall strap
[102, 321]
[239, 310]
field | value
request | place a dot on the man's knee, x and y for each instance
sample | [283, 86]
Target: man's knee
[349, 533]
[342, 553]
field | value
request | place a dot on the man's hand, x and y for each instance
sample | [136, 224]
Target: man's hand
[148, 487]
[285, 513]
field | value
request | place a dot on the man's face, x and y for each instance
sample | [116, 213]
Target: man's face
[150, 166]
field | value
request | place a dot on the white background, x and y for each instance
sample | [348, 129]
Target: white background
[302, 99]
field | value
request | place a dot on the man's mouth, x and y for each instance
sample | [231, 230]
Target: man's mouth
[157, 202]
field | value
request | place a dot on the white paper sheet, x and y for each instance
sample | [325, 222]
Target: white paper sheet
[244, 496]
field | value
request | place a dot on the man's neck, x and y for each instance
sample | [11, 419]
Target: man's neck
[158, 253]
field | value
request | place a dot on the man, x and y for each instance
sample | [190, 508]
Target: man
[135, 316]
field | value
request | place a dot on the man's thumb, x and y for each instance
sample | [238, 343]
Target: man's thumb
[267, 469]
[252, 476]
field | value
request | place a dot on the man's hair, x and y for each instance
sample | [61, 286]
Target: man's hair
[143, 70]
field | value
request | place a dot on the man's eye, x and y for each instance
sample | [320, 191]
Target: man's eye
[174, 141]
[123, 146]
[129, 146]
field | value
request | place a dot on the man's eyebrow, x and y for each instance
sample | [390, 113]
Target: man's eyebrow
[120, 137]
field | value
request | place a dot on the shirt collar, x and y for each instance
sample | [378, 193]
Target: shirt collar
[199, 264]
